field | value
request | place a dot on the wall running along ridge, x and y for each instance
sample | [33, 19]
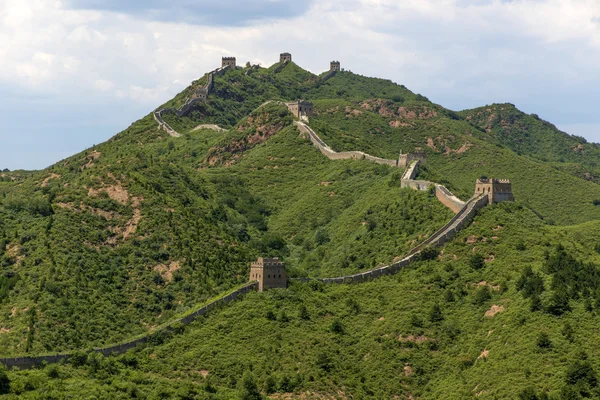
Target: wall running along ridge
[344, 155]
[464, 214]
[408, 178]
[185, 109]
[28, 362]
[464, 211]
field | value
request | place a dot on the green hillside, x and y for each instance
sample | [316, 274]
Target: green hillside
[126, 236]
[444, 329]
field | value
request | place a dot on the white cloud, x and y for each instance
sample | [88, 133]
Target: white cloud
[458, 52]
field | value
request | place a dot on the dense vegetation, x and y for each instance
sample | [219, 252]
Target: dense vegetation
[123, 237]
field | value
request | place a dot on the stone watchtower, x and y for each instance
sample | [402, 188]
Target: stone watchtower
[283, 57]
[334, 66]
[269, 272]
[225, 61]
[497, 190]
[300, 108]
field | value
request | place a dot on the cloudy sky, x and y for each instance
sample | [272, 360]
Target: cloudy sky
[75, 72]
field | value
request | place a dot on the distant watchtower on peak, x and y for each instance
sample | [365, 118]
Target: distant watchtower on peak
[269, 272]
[334, 66]
[225, 61]
[283, 57]
[497, 190]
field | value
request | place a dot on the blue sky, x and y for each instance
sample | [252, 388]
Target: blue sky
[75, 72]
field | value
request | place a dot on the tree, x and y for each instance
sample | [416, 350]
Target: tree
[303, 313]
[543, 341]
[435, 314]
[536, 303]
[4, 382]
[482, 295]
[559, 303]
[337, 327]
[477, 261]
[529, 393]
[248, 390]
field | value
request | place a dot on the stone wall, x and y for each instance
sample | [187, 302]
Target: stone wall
[281, 65]
[440, 237]
[28, 362]
[344, 155]
[201, 97]
[448, 199]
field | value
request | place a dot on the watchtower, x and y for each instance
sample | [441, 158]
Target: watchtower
[300, 108]
[269, 272]
[334, 66]
[283, 57]
[202, 93]
[225, 61]
[497, 190]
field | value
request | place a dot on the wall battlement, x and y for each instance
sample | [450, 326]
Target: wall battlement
[269, 272]
[228, 61]
[497, 190]
[285, 57]
[334, 66]
[300, 108]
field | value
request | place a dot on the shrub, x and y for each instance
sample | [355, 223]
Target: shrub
[482, 295]
[529, 393]
[435, 314]
[324, 362]
[303, 313]
[428, 253]
[4, 381]
[582, 376]
[270, 315]
[477, 261]
[543, 341]
[337, 326]
[248, 389]
[559, 303]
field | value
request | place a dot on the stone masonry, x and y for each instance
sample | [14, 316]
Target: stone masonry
[300, 108]
[225, 61]
[404, 160]
[285, 57]
[334, 66]
[269, 272]
[497, 190]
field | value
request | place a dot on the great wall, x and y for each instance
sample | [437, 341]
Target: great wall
[487, 191]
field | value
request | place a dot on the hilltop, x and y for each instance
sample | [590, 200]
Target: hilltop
[123, 237]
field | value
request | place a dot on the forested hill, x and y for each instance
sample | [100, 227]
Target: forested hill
[531, 136]
[127, 235]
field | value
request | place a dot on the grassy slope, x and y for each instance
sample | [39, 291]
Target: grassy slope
[366, 358]
[213, 201]
[530, 136]
[89, 285]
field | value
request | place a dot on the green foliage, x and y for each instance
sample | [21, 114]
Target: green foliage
[141, 229]
[435, 314]
[477, 261]
[248, 389]
[4, 381]
[543, 341]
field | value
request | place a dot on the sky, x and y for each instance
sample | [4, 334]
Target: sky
[73, 73]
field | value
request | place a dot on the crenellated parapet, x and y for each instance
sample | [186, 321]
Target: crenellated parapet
[497, 190]
[228, 62]
[269, 273]
[285, 57]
